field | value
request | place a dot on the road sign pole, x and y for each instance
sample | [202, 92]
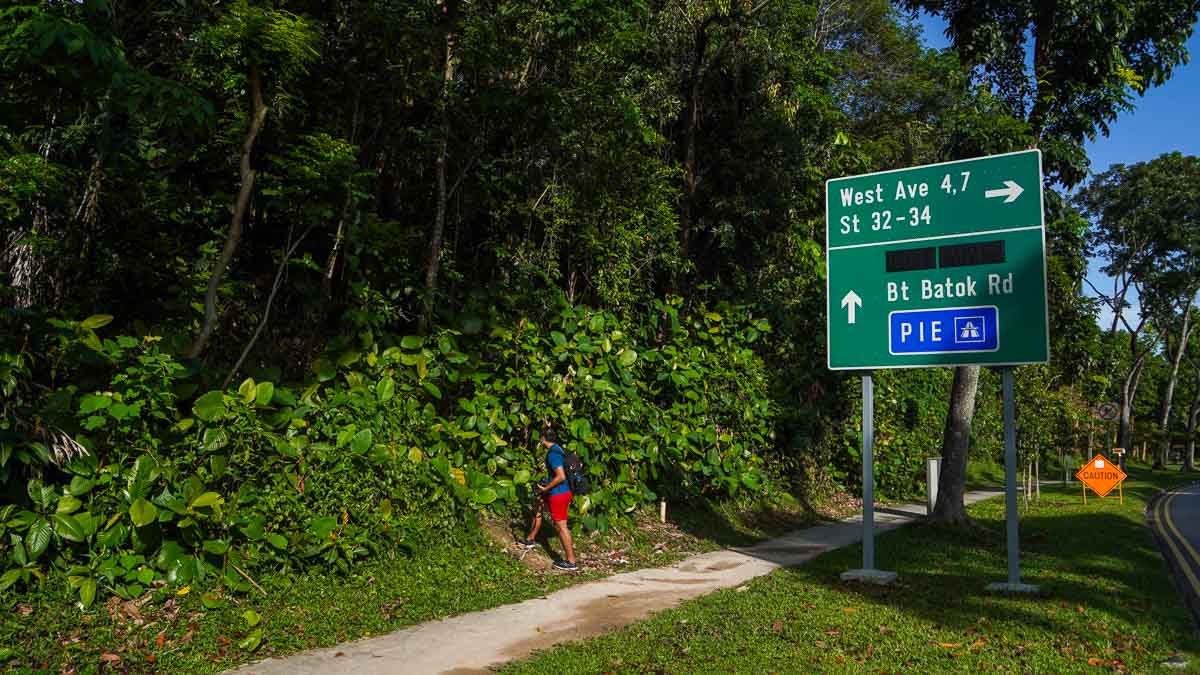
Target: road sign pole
[1014, 584]
[868, 468]
[1010, 469]
[868, 573]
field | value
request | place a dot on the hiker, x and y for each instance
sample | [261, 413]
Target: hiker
[555, 494]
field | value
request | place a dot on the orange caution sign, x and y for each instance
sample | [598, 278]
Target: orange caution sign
[1100, 475]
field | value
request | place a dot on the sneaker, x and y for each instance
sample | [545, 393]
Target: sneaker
[565, 566]
[526, 543]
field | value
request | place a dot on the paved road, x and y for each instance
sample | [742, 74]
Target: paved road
[1176, 519]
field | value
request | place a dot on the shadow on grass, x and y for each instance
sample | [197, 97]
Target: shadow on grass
[742, 525]
[1088, 565]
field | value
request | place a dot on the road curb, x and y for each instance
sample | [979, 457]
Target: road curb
[1190, 596]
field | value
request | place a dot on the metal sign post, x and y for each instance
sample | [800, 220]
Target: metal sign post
[868, 572]
[1013, 585]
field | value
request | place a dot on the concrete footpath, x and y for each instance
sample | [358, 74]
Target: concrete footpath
[470, 643]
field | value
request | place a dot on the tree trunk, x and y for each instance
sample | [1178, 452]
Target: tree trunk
[234, 236]
[1128, 391]
[433, 261]
[691, 178]
[1164, 409]
[1189, 453]
[956, 441]
[335, 254]
[288, 250]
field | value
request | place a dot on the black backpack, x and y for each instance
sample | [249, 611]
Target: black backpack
[577, 478]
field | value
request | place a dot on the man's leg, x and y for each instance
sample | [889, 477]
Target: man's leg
[537, 522]
[564, 533]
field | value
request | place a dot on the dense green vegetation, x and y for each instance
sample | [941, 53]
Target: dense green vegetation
[286, 286]
[1107, 602]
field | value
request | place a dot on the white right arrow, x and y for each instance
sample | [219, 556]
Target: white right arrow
[850, 302]
[1012, 191]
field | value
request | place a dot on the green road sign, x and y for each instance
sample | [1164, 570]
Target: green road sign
[937, 265]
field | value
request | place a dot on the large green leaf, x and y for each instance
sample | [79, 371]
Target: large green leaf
[9, 578]
[283, 396]
[210, 407]
[385, 389]
[68, 504]
[484, 495]
[96, 321]
[248, 390]
[87, 591]
[263, 393]
[559, 338]
[80, 486]
[214, 439]
[69, 527]
[143, 513]
[207, 499]
[141, 478]
[627, 357]
[252, 641]
[362, 442]
[321, 528]
[113, 537]
[38, 538]
[93, 402]
[411, 342]
[325, 370]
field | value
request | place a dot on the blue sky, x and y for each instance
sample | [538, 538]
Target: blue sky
[1165, 119]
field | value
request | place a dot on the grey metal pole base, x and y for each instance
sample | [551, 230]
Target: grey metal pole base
[1012, 589]
[878, 577]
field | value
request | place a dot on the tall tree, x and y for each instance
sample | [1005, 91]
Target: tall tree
[1082, 74]
[269, 43]
[1144, 226]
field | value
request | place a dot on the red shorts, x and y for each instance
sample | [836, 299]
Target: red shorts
[558, 505]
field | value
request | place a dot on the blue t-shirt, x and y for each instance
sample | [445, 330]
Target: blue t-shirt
[556, 459]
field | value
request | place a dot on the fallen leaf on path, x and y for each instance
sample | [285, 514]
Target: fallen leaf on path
[849, 610]
[184, 591]
[24, 610]
[110, 658]
[158, 641]
[339, 654]
[978, 643]
[777, 626]
[1095, 662]
[950, 645]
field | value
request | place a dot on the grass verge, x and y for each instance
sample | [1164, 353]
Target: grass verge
[165, 631]
[1107, 602]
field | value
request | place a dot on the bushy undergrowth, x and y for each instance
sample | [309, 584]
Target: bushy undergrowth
[122, 473]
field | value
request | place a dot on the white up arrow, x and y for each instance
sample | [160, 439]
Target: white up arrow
[1011, 191]
[851, 301]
